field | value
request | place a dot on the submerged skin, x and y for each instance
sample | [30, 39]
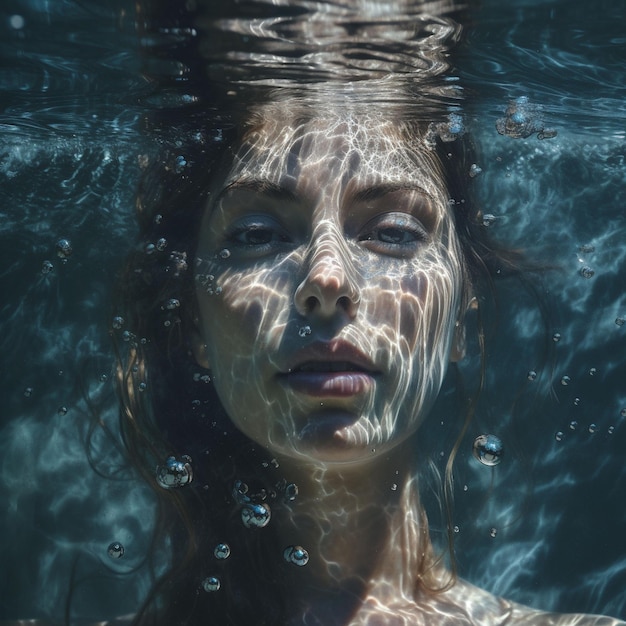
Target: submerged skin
[331, 292]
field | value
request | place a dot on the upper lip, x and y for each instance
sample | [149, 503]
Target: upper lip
[336, 355]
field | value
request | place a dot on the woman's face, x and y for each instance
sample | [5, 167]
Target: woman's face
[329, 282]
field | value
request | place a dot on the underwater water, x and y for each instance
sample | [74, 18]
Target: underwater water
[544, 100]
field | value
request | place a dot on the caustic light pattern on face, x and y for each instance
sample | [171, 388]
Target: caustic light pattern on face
[343, 227]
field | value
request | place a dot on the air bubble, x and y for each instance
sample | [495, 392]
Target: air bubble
[17, 22]
[255, 515]
[240, 491]
[573, 425]
[488, 450]
[62, 410]
[175, 473]
[149, 248]
[556, 337]
[291, 492]
[116, 550]
[611, 430]
[117, 322]
[593, 428]
[593, 371]
[304, 331]
[623, 412]
[531, 375]
[222, 551]
[576, 401]
[559, 435]
[296, 555]
[394, 487]
[161, 244]
[566, 380]
[158, 218]
[493, 532]
[456, 529]
[586, 272]
[171, 304]
[211, 584]
[64, 248]
[475, 170]
[142, 386]
[620, 321]
[489, 219]
[46, 267]
[224, 254]
[28, 392]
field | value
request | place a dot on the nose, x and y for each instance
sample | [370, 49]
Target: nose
[330, 284]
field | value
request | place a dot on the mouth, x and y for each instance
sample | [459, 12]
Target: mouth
[333, 369]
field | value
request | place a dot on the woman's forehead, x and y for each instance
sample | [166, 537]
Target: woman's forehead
[343, 149]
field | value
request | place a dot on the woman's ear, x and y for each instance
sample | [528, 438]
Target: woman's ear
[199, 349]
[457, 351]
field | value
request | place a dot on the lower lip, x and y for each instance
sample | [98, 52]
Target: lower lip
[330, 384]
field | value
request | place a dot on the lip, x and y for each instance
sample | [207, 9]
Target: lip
[330, 369]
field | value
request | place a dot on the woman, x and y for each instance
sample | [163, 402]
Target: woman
[323, 295]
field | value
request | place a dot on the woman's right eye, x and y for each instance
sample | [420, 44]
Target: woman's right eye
[257, 234]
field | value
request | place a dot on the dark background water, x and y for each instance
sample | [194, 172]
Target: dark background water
[73, 98]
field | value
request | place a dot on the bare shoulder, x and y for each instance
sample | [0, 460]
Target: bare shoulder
[485, 609]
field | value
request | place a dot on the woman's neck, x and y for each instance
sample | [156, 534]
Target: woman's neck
[364, 529]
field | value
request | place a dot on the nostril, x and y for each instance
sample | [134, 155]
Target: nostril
[345, 303]
[310, 303]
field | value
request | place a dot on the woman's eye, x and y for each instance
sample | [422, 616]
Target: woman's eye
[256, 234]
[396, 235]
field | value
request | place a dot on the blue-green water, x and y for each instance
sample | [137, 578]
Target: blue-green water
[74, 93]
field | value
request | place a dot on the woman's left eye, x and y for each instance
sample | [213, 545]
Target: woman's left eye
[396, 234]
[258, 235]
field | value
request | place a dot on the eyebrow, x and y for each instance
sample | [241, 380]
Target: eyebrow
[379, 191]
[265, 187]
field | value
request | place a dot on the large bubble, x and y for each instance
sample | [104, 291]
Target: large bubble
[488, 449]
[255, 515]
[175, 472]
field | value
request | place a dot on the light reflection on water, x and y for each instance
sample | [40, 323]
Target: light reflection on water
[74, 96]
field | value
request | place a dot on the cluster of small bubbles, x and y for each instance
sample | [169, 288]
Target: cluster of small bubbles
[593, 371]
[586, 248]
[556, 337]
[475, 170]
[291, 492]
[611, 430]
[620, 321]
[161, 244]
[573, 425]
[64, 249]
[488, 449]
[118, 322]
[142, 386]
[593, 428]
[566, 380]
[211, 584]
[62, 410]
[559, 435]
[171, 305]
[489, 219]
[28, 392]
[531, 375]
[116, 550]
[255, 515]
[222, 551]
[224, 253]
[46, 267]
[623, 413]
[304, 331]
[586, 272]
[493, 532]
[296, 555]
[175, 472]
